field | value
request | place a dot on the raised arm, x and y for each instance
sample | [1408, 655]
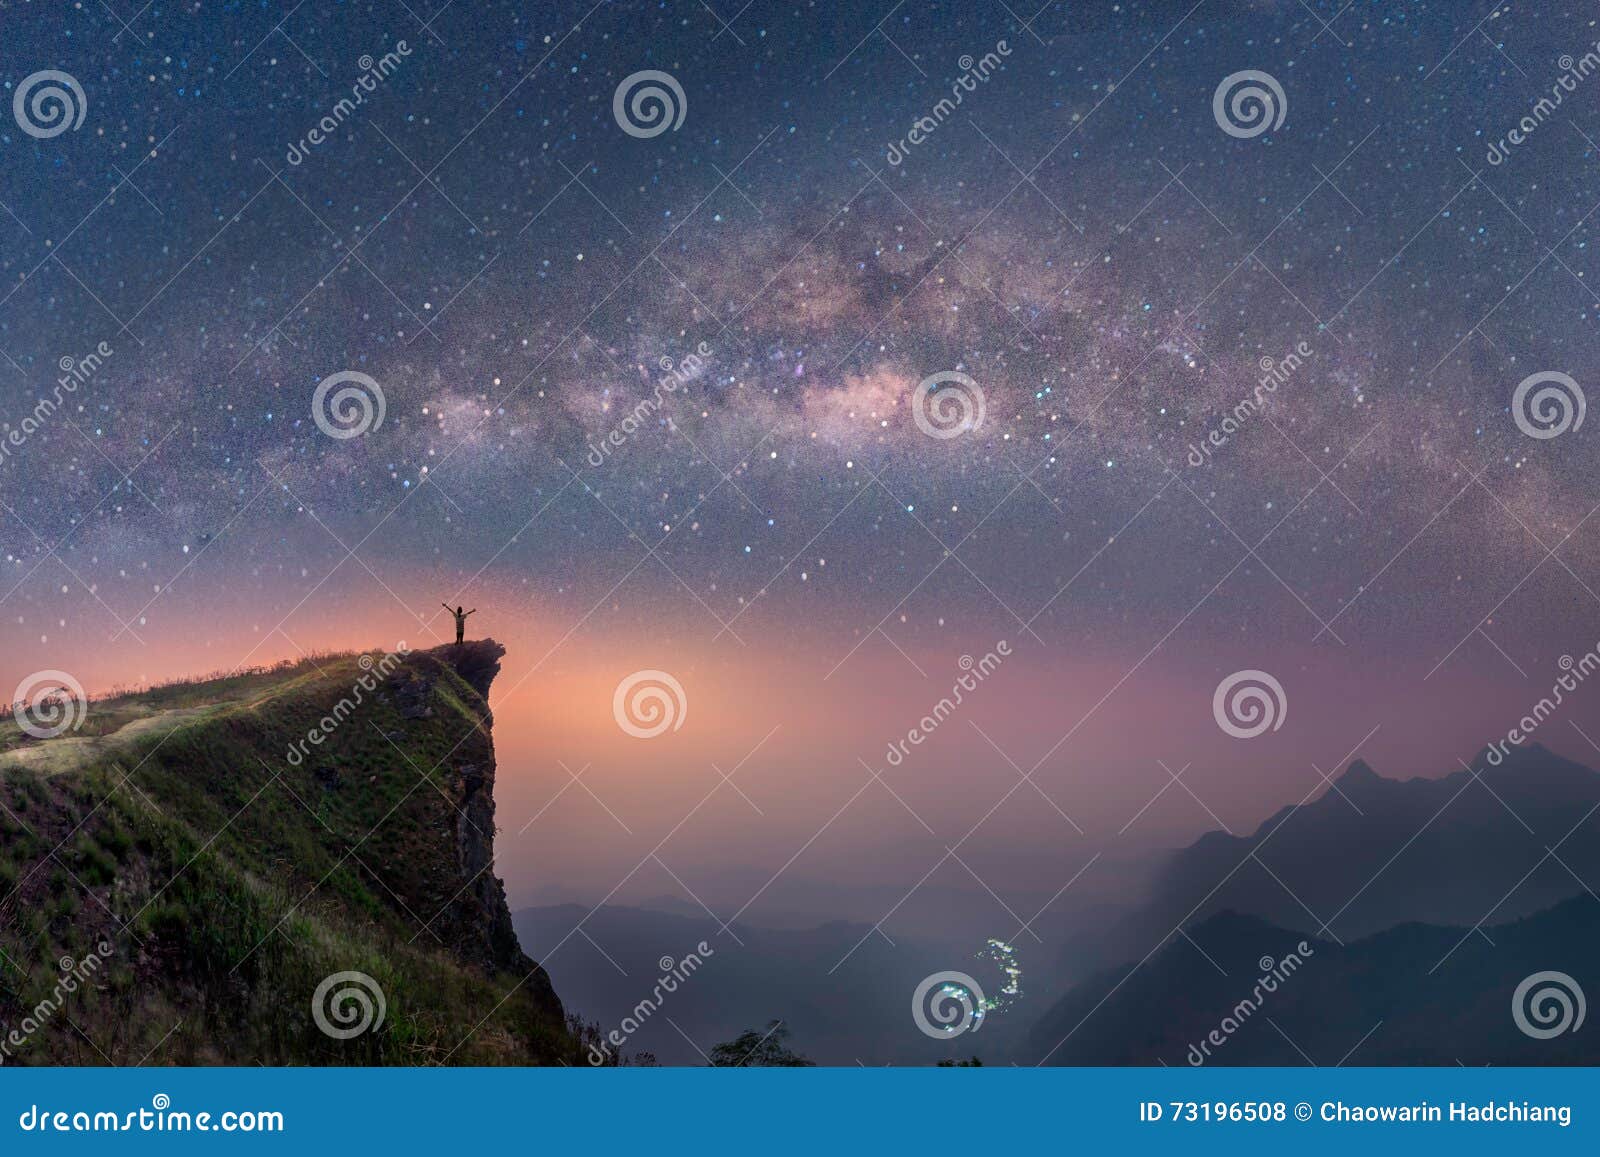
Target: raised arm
[473, 611]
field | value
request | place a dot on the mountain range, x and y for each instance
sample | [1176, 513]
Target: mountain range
[1425, 903]
[1415, 994]
[1371, 852]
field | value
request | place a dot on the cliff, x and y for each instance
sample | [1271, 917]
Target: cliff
[289, 866]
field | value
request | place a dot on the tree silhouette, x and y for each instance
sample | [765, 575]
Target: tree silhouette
[753, 1050]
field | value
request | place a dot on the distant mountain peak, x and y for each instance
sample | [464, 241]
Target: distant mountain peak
[1359, 771]
[1442, 848]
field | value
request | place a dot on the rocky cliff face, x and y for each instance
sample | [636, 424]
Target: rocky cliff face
[479, 918]
[232, 844]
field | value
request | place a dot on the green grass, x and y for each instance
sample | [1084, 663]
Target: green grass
[231, 881]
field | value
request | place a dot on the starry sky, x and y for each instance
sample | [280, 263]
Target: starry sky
[1107, 266]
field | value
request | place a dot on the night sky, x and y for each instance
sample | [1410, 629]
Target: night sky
[1080, 237]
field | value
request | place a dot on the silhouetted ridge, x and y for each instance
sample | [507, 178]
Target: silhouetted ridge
[1368, 852]
[1416, 994]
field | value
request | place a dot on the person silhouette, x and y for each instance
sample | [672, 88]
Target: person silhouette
[461, 620]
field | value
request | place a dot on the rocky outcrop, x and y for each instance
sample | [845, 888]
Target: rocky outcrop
[477, 662]
[477, 915]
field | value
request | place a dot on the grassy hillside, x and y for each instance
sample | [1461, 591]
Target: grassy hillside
[230, 863]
